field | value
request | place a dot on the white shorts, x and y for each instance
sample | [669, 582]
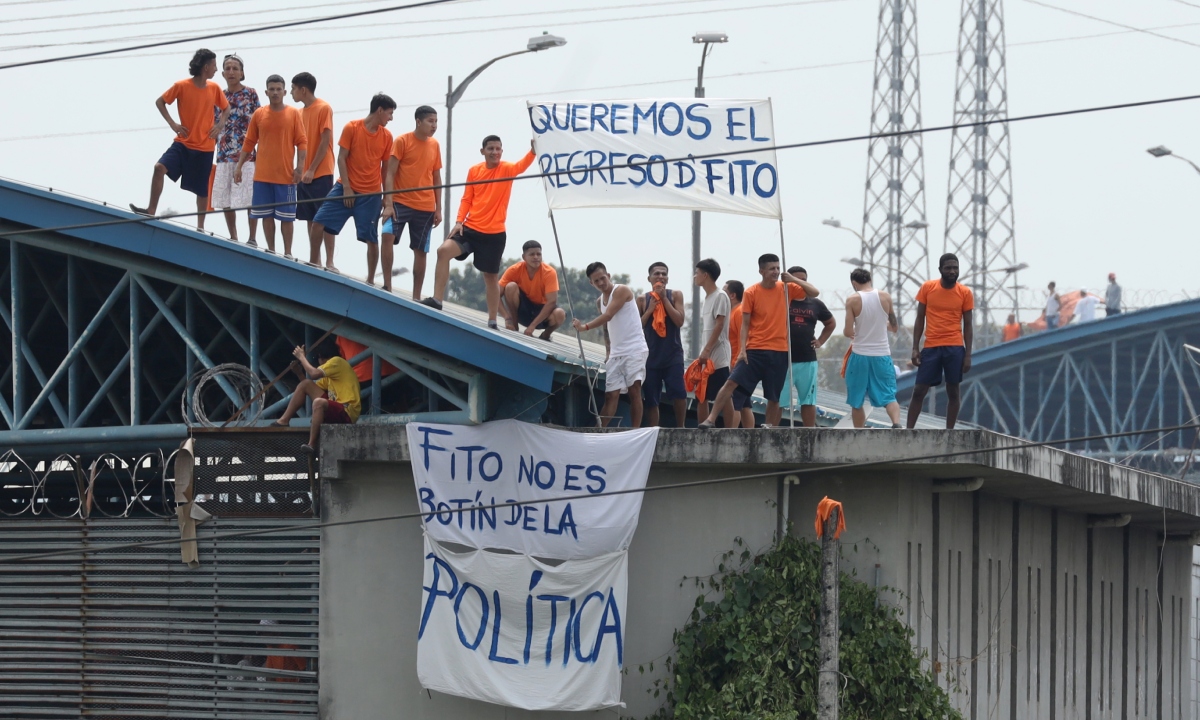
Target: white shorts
[228, 194]
[622, 371]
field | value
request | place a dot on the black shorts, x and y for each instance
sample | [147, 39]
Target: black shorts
[770, 367]
[527, 312]
[315, 193]
[716, 381]
[420, 226]
[488, 249]
[193, 166]
[656, 378]
[939, 361]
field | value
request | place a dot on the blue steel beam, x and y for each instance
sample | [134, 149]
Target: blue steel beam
[17, 328]
[135, 358]
[25, 417]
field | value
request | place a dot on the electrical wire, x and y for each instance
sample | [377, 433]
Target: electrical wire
[650, 83]
[117, 12]
[1110, 22]
[231, 33]
[842, 468]
[664, 162]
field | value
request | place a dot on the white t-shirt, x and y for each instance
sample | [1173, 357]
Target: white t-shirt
[717, 305]
[1085, 309]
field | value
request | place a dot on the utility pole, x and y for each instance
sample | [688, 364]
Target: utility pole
[829, 676]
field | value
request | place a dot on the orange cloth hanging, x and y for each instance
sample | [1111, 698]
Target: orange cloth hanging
[659, 321]
[824, 508]
[695, 378]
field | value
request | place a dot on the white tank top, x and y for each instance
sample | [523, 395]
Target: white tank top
[870, 327]
[625, 336]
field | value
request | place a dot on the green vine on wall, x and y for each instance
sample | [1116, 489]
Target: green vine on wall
[750, 647]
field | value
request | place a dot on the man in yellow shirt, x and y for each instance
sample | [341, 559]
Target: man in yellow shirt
[334, 390]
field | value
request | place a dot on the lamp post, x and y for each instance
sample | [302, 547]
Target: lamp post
[706, 39]
[545, 41]
[1162, 151]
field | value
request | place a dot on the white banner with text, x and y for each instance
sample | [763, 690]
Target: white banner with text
[683, 154]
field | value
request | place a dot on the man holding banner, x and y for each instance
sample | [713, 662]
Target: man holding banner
[764, 356]
[480, 229]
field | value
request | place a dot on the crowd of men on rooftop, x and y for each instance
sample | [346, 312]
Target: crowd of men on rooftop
[764, 334]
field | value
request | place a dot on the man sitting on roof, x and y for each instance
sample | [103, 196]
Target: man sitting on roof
[334, 390]
[529, 294]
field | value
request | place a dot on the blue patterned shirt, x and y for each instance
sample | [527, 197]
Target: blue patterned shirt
[242, 105]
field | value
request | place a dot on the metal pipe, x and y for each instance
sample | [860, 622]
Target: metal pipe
[135, 357]
[72, 339]
[450, 103]
[376, 381]
[18, 330]
[255, 341]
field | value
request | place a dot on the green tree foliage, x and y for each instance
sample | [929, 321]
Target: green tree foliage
[750, 648]
[466, 288]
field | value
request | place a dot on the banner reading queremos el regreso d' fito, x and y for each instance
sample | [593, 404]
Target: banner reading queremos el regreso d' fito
[525, 629]
[683, 154]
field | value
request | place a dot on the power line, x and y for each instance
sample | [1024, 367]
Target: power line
[122, 10]
[584, 496]
[231, 33]
[10, 48]
[664, 162]
[1110, 22]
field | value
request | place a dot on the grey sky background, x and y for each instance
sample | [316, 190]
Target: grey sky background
[1088, 198]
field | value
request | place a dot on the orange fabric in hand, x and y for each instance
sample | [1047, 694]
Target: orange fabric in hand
[695, 378]
[846, 359]
[659, 321]
[824, 508]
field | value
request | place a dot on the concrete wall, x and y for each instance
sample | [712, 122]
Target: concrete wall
[1023, 611]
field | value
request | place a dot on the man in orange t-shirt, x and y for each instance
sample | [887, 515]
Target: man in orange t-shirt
[1012, 329]
[480, 228]
[363, 152]
[736, 291]
[764, 337]
[278, 132]
[530, 294]
[416, 163]
[944, 309]
[316, 177]
[189, 159]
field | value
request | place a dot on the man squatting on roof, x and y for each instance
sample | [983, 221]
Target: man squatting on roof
[624, 344]
[529, 294]
[764, 339]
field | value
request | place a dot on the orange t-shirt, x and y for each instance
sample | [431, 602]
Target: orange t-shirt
[278, 134]
[544, 280]
[1012, 331]
[418, 161]
[196, 111]
[368, 156]
[944, 310]
[735, 334]
[484, 208]
[318, 117]
[363, 369]
[769, 315]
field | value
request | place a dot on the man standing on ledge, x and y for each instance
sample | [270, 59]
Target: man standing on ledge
[416, 162]
[944, 309]
[764, 340]
[190, 156]
[869, 369]
[803, 316]
[624, 344]
[662, 317]
[480, 227]
[1112, 297]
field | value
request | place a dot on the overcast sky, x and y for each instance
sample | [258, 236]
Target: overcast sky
[1088, 198]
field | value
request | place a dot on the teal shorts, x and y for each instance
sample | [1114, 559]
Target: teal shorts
[804, 380]
[870, 376]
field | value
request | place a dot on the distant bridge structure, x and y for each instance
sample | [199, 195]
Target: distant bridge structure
[1124, 373]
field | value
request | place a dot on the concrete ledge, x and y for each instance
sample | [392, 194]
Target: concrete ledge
[1040, 475]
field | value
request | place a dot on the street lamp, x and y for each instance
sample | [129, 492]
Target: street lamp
[545, 41]
[835, 223]
[1162, 151]
[706, 39]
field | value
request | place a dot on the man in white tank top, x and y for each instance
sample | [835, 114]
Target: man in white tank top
[624, 342]
[869, 370]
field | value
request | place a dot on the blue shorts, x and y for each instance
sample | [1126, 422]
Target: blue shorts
[334, 214]
[420, 227]
[804, 380]
[766, 366]
[870, 376]
[656, 378]
[266, 193]
[938, 361]
[193, 166]
[314, 192]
